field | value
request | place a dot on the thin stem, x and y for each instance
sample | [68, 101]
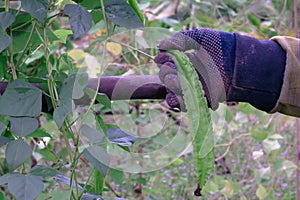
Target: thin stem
[22, 25]
[228, 145]
[10, 48]
[98, 82]
[112, 189]
[6, 5]
[135, 49]
[27, 44]
[104, 17]
[49, 68]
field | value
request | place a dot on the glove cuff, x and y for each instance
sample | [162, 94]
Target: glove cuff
[258, 72]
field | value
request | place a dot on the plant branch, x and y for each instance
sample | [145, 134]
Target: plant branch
[135, 49]
[27, 44]
[112, 189]
[11, 65]
[228, 145]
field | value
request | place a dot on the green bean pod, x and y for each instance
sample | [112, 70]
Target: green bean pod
[199, 118]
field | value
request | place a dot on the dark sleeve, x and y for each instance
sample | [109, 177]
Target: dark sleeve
[258, 72]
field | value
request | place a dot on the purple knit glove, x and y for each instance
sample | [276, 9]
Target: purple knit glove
[211, 53]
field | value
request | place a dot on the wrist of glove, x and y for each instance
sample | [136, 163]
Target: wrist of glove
[231, 67]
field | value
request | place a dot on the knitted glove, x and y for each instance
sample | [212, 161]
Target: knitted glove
[231, 67]
[211, 53]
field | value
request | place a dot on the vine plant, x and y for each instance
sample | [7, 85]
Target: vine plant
[43, 82]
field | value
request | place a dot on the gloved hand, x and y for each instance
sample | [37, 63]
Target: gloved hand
[211, 53]
[231, 67]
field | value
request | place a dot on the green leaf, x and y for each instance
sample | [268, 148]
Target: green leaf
[37, 8]
[88, 4]
[270, 145]
[36, 55]
[228, 115]
[121, 137]
[92, 134]
[259, 135]
[98, 157]
[23, 126]
[43, 171]
[116, 175]
[136, 8]
[25, 187]
[5, 41]
[80, 19]
[48, 155]
[39, 133]
[101, 98]
[61, 112]
[254, 20]
[4, 140]
[275, 137]
[63, 35]
[120, 13]
[261, 192]
[199, 117]
[21, 99]
[97, 182]
[80, 83]
[7, 19]
[16, 153]
[6, 178]
[72, 88]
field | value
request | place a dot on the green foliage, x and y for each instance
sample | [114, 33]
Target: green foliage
[66, 155]
[21, 99]
[32, 47]
[121, 137]
[80, 19]
[98, 157]
[23, 187]
[122, 14]
[37, 8]
[7, 19]
[16, 153]
[23, 126]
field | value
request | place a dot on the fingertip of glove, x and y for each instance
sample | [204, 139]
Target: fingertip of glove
[165, 69]
[175, 102]
[162, 58]
[172, 82]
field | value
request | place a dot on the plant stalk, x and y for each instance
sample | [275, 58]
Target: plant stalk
[27, 44]
[11, 65]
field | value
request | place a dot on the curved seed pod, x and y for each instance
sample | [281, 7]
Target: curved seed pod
[199, 117]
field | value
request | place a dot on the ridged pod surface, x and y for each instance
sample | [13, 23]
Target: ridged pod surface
[199, 117]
